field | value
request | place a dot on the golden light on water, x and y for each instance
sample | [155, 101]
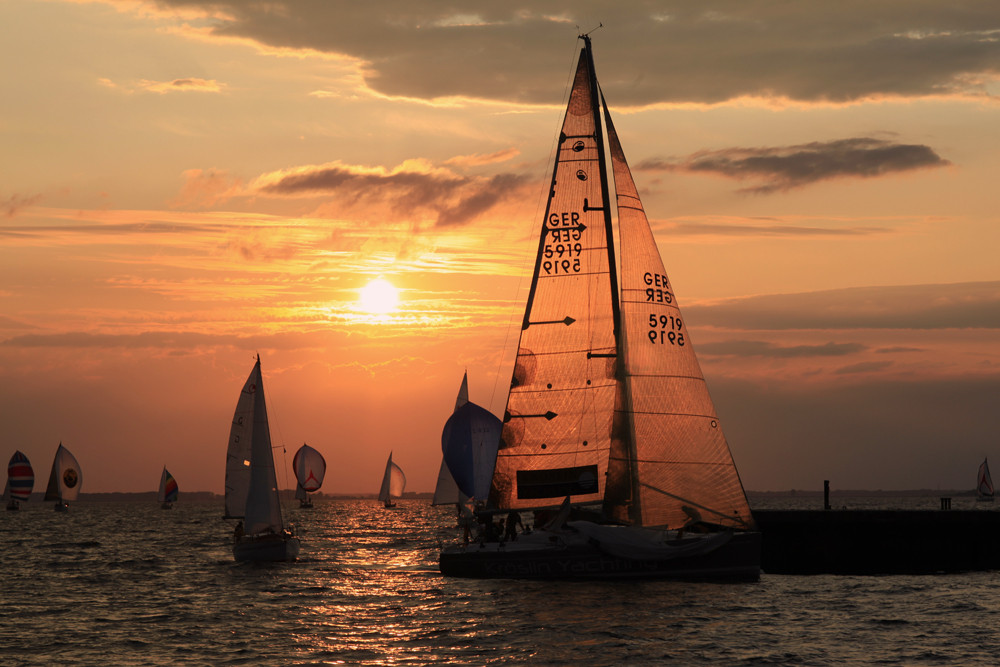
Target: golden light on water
[379, 297]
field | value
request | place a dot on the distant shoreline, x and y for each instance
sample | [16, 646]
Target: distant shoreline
[288, 495]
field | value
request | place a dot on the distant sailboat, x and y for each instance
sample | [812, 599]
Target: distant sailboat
[65, 479]
[608, 416]
[20, 481]
[984, 484]
[393, 483]
[310, 468]
[168, 490]
[251, 485]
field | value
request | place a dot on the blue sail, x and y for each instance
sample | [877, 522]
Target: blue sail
[469, 443]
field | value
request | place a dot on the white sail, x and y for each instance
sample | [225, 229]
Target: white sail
[251, 485]
[66, 478]
[393, 482]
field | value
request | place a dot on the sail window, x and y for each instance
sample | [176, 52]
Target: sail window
[556, 482]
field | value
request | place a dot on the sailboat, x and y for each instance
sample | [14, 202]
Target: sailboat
[65, 479]
[984, 484]
[610, 436]
[310, 468]
[393, 483]
[446, 490]
[251, 485]
[20, 481]
[167, 494]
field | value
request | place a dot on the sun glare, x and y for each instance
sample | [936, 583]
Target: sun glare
[379, 297]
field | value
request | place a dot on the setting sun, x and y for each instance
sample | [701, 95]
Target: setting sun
[379, 297]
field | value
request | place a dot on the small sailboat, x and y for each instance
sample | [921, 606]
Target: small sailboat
[984, 484]
[446, 490]
[167, 494]
[609, 435]
[310, 468]
[393, 483]
[65, 479]
[20, 481]
[251, 485]
[469, 442]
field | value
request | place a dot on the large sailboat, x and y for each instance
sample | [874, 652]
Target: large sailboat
[65, 479]
[167, 495]
[251, 485]
[610, 435]
[393, 483]
[20, 481]
[310, 468]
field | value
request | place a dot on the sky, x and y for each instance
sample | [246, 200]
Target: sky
[186, 184]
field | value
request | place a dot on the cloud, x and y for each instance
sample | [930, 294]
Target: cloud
[752, 348]
[787, 167]
[478, 159]
[15, 203]
[672, 51]
[413, 188]
[182, 86]
[205, 187]
[919, 307]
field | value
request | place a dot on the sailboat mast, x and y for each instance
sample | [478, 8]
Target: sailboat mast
[595, 106]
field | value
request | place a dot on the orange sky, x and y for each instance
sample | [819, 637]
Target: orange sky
[186, 184]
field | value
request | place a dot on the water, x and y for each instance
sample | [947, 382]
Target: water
[130, 584]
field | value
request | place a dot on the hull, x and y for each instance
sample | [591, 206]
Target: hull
[539, 556]
[266, 548]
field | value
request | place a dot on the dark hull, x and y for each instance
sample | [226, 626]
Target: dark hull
[269, 548]
[736, 560]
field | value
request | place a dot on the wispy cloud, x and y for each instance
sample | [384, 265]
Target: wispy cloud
[752, 348]
[182, 86]
[920, 307]
[786, 167]
[15, 203]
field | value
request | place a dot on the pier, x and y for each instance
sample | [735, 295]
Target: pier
[831, 541]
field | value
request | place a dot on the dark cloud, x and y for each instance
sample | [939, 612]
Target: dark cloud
[960, 305]
[450, 198]
[750, 227]
[787, 167]
[667, 51]
[753, 348]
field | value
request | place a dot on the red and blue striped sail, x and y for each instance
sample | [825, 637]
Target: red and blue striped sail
[20, 477]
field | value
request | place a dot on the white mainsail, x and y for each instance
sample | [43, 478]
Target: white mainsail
[66, 478]
[393, 482]
[607, 403]
[251, 485]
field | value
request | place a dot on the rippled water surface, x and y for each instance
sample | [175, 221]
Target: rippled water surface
[128, 583]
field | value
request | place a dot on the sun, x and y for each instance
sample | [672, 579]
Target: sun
[379, 297]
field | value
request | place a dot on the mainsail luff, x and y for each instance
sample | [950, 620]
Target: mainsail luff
[558, 423]
[679, 455]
